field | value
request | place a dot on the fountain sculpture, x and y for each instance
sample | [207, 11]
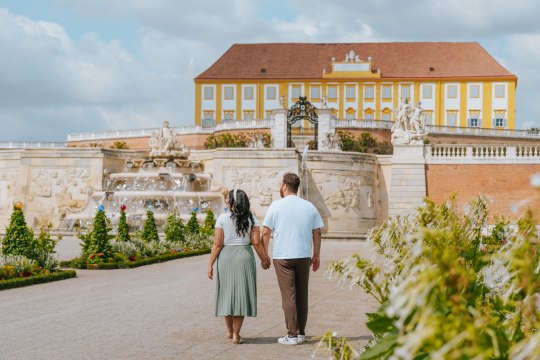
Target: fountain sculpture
[165, 182]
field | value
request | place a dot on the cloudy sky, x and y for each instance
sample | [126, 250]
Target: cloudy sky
[69, 66]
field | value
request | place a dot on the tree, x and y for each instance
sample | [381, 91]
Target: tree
[150, 232]
[99, 246]
[174, 228]
[209, 222]
[19, 239]
[123, 230]
[193, 226]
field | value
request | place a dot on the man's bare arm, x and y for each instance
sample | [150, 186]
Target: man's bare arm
[266, 232]
[315, 260]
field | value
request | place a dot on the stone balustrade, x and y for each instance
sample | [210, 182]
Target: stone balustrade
[482, 153]
[31, 145]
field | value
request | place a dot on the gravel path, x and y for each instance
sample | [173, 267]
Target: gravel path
[166, 311]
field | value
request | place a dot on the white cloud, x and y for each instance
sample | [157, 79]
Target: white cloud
[88, 83]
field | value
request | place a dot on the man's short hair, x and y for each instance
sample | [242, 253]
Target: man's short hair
[292, 181]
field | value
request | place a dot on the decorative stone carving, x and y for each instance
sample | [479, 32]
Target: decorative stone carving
[352, 57]
[332, 142]
[258, 184]
[257, 141]
[8, 180]
[347, 197]
[343, 190]
[66, 190]
[164, 144]
[409, 127]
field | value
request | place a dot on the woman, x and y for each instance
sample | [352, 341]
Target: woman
[236, 287]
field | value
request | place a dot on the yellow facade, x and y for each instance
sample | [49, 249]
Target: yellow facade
[438, 105]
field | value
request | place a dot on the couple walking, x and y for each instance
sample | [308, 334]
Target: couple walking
[295, 226]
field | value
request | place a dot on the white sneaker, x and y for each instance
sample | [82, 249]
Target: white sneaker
[287, 340]
[301, 339]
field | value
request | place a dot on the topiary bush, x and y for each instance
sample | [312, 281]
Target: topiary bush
[209, 223]
[123, 229]
[150, 233]
[98, 247]
[174, 228]
[193, 226]
[19, 238]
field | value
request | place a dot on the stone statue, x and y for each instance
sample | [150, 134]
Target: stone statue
[164, 144]
[409, 127]
[257, 141]
[352, 57]
[332, 142]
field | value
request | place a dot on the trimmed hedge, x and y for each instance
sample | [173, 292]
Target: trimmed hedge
[37, 279]
[78, 264]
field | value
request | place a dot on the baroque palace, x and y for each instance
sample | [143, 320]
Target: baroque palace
[457, 84]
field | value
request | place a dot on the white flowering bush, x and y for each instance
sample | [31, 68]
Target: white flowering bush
[449, 287]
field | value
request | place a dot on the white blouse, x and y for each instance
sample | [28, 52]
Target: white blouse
[225, 222]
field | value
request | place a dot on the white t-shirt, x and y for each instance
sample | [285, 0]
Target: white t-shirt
[225, 222]
[292, 221]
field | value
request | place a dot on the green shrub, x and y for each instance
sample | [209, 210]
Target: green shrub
[19, 238]
[193, 226]
[237, 140]
[209, 223]
[365, 143]
[123, 229]
[174, 228]
[150, 232]
[38, 279]
[97, 244]
[451, 287]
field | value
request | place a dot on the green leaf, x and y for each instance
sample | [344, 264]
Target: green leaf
[382, 348]
[379, 323]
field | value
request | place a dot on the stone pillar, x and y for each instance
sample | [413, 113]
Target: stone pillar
[325, 127]
[279, 129]
[408, 179]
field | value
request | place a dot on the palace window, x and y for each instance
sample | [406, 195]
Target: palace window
[208, 115]
[248, 114]
[369, 114]
[350, 114]
[387, 92]
[368, 92]
[451, 91]
[208, 93]
[427, 91]
[451, 118]
[228, 115]
[248, 93]
[332, 92]
[268, 114]
[500, 120]
[315, 91]
[474, 118]
[474, 91]
[271, 93]
[428, 116]
[387, 114]
[405, 92]
[228, 92]
[350, 92]
[499, 91]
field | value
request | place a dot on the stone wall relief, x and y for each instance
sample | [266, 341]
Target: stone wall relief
[343, 191]
[53, 193]
[8, 182]
[259, 184]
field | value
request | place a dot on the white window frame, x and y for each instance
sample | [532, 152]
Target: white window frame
[318, 88]
[371, 90]
[251, 88]
[496, 94]
[228, 88]
[349, 87]
[332, 87]
[386, 87]
[424, 87]
[403, 87]
[269, 90]
[208, 92]
[476, 86]
[455, 88]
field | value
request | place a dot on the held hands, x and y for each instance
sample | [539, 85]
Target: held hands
[265, 263]
[315, 262]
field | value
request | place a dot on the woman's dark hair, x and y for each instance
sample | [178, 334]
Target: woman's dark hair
[241, 215]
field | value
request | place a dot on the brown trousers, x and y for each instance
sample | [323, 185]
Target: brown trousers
[293, 279]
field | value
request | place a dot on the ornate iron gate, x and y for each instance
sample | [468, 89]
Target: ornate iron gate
[302, 110]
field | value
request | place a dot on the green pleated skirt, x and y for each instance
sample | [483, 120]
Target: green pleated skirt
[236, 285]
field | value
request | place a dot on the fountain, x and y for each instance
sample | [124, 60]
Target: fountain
[165, 182]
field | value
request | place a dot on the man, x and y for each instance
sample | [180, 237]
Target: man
[296, 227]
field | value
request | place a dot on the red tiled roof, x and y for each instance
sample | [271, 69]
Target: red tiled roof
[395, 60]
